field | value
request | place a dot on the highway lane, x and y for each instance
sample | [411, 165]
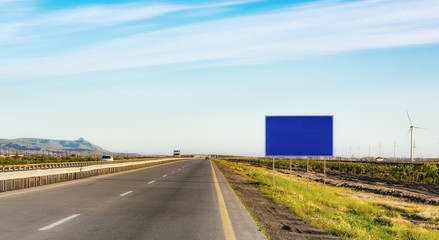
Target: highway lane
[172, 201]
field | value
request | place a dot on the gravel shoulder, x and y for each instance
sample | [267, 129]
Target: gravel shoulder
[277, 221]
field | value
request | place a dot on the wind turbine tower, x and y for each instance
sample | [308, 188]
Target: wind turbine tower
[412, 145]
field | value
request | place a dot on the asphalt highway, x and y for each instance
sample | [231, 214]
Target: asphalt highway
[180, 200]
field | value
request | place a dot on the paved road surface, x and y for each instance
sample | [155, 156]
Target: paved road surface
[172, 201]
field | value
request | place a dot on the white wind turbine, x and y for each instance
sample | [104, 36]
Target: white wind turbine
[412, 146]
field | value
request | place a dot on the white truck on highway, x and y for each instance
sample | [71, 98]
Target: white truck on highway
[177, 153]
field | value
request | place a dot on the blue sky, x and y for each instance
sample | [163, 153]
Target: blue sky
[200, 76]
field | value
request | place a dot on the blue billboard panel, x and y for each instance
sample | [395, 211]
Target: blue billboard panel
[298, 136]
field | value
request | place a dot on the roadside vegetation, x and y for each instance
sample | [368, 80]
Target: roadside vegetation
[20, 160]
[427, 173]
[344, 212]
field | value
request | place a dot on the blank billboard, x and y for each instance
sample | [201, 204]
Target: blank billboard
[298, 135]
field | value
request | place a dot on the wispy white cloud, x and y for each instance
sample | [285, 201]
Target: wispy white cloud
[286, 34]
[81, 18]
[39, 23]
[110, 14]
[11, 13]
[8, 32]
[10, 1]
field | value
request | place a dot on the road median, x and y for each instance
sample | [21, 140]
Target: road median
[10, 181]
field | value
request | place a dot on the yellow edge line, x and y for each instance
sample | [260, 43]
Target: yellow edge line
[227, 224]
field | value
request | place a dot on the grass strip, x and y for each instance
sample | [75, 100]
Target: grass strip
[340, 213]
[426, 173]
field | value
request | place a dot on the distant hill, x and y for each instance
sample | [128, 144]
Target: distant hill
[37, 144]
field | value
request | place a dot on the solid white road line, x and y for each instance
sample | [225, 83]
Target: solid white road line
[151, 181]
[123, 194]
[58, 223]
[165, 175]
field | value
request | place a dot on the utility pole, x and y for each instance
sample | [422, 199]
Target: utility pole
[394, 151]
[438, 152]
[380, 150]
[370, 147]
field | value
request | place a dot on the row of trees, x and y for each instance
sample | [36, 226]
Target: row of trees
[418, 173]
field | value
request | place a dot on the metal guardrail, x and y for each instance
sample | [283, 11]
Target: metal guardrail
[42, 166]
[28, 182]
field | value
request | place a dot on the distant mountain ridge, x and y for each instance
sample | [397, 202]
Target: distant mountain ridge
[37, 144]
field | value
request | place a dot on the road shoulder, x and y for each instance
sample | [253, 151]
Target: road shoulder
[243, 224]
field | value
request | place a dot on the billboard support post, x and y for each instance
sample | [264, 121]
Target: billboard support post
[290, 170]
[324, 178]
[307, 172]
[273, 171]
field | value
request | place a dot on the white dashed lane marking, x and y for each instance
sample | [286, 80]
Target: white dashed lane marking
[123, 194]
[58, 223]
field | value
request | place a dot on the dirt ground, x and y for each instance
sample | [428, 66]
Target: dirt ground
[279, 222]
[422, 193]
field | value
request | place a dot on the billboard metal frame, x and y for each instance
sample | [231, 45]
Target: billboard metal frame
[297, 155]
[307, 160]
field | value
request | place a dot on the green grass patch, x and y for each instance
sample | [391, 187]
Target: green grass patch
[339, 213]
[427, 173]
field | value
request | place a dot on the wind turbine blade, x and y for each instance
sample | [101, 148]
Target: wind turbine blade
[409, 117]
[420, 128]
